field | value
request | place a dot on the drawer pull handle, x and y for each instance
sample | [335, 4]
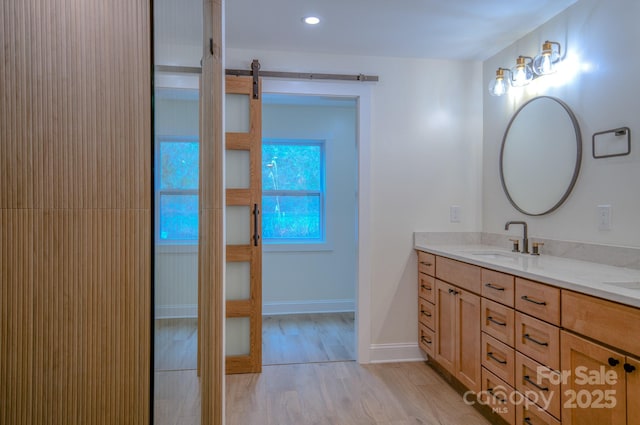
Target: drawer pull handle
[528, 421]
[426, 288]
[613, 362]
[491, 286]
[501, 400]
[629, 368]
[544, 344]
[497, 322]
[425, 313]
[532, 382]
[424, 263]
[425, 340]
[526, 298]
[453, 291]
[490, 355]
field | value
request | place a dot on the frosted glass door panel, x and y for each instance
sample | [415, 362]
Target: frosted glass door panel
[237, 336]
[236, 113]
[238, 280]
[238, 225]
[237, 169]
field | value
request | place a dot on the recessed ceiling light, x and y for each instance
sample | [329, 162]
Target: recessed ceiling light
[311, 20]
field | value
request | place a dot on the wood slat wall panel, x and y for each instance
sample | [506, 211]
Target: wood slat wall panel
[211, 250]
[82, 54]
[75, 241]
[16, 312]
[91, 360]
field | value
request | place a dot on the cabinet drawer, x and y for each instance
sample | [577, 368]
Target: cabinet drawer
[612, 323]
[497, 394]
[426, 263]
[538, 340]
[460, 274]
[499, 358]
[538, 300]
[529, 414]
[532, 379]
[426, 313]
[498, 286]
[426, 339]
[426, 285]
[498, 321]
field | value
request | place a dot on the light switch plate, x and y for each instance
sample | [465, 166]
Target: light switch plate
[604, 217]
[454, 213]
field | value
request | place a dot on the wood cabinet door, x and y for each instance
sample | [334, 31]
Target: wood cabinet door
[586, 402]
[445, 325]
[633, 391]
[468, 339]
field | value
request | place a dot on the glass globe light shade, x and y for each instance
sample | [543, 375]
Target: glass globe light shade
[498, 86]
[546, 62]
[521, 74]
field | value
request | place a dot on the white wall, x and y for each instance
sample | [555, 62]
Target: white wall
[426, 138]
[600, 37]
[299, 281]
[176, 274]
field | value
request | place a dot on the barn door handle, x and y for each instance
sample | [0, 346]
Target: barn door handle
[256, 236]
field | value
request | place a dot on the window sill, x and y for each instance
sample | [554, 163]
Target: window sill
[176, 248]
[297, 247]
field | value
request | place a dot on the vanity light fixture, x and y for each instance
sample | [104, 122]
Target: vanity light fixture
[522, 74]
[527, 69]
[499, 85]
[546, 62]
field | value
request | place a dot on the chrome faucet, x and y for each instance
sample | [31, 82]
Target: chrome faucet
[525, 239]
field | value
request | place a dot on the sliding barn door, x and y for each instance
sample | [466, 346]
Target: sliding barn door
[243, 226]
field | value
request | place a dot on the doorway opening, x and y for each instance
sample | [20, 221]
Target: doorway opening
[309, 227]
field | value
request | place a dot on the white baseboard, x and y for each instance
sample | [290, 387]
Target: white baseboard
[393, 353]
[178, 311]
[316, 306]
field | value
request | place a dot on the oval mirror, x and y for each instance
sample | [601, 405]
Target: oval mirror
[540, 156]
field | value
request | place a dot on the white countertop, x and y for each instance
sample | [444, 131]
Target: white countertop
[581, 276]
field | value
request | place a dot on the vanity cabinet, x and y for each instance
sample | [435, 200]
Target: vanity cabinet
[608, 343]
[586, 402]
[426, 306]
[458, 320]
[458, 333]
[506, 335]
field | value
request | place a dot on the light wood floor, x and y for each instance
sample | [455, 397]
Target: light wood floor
[338, 393]
[332, 393]
[306, 338]
[346, 393]
[294, 338]
[176, 344]
[176, 398]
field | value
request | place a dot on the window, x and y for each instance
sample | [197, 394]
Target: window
[293, 191]
[177, 189]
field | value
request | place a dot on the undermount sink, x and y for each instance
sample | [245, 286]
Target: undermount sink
[628, 285]
[493, 255]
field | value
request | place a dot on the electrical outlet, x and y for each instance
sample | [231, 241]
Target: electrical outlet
[454, 213]
[604, 217]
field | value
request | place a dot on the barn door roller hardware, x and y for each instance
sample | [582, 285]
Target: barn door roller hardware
[256, 73]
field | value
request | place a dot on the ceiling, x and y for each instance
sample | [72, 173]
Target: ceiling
[439, 29]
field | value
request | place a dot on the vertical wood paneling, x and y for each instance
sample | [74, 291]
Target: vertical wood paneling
[75, 240]
[91, 351]
[16, 311]
[211, 250]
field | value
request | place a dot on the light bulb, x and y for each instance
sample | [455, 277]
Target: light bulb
[498, 86]
[545, 63]
[521, 74]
